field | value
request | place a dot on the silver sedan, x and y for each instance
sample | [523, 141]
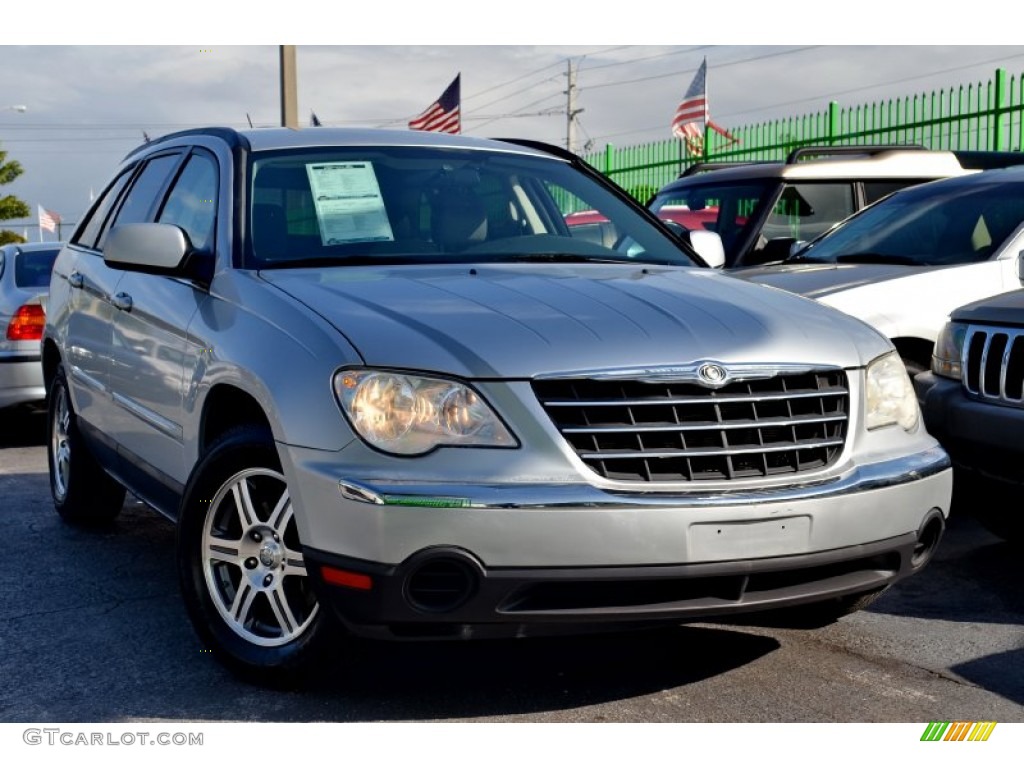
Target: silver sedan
[24, 284]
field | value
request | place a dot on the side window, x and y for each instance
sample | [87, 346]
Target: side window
[805, 211]
[192, 203]
[145, 192]
[90, 228]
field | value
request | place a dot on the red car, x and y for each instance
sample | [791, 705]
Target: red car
[593, 226]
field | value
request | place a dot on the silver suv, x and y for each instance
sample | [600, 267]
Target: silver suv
[375, 378]
[759, 210]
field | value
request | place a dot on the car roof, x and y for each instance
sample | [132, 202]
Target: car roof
[893, 163]
[265, 139]
[1013, 175]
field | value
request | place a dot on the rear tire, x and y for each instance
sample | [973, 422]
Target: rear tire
[241, 567]
[83, 493]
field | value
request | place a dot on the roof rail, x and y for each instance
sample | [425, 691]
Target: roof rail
[852, 149]
[715, 166]
[229, 135]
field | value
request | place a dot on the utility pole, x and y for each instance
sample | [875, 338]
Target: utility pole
[289, 88]
[570, 108]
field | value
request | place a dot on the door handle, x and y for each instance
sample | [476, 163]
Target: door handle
[122, 301]
[76, 279]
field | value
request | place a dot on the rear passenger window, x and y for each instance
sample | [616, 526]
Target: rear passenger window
[88, 232]
[805, 211]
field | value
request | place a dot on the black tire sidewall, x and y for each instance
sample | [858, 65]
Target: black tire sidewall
[237, 450]
[91, 497]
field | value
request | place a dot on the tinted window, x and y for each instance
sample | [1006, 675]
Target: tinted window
[805, 211]
[141, 200]
[938, 223]
[32, 268]
[192, 204]
[88, 232]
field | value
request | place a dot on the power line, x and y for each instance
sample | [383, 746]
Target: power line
[525, 106]
[691, 71]
[645, 58]
[824, 96]
[878, 85]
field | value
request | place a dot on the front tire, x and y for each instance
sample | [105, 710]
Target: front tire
[241, 566]
[83, 493]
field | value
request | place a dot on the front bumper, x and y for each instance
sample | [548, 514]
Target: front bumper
[983, 437]
[477, 559]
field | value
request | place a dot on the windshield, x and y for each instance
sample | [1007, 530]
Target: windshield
[728, 209]
[935, 224]
[412, 205]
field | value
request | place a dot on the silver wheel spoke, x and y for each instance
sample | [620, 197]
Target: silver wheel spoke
[294, 565]
[243, 602]
[282, 611]
[282, 513]
[243, 503]
[224, 550]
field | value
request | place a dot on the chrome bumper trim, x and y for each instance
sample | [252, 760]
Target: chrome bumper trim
[867, 477]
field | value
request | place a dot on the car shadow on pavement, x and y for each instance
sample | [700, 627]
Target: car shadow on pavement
[974, 577]
[393, 681]
[1001, 673]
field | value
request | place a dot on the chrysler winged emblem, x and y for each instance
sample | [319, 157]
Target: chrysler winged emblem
[712, 375]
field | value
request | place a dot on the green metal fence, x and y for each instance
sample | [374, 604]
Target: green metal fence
[987, 116]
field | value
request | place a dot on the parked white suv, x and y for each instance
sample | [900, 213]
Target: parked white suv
[904, 264]
[759, 210]
[375, 377]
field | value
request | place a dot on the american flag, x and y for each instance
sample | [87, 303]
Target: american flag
[692, 115]
[48, 220]
[692, 112]
[443, 115]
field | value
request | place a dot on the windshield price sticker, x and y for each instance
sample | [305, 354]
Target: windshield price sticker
[349, 206]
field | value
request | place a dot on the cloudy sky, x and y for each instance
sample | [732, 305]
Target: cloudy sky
[86, 106]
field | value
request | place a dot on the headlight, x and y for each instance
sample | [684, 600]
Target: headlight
[409, 415]
[948, 348]
[889, 396]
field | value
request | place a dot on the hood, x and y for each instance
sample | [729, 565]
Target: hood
[525, 320]
[1005, 309]
[817, 280]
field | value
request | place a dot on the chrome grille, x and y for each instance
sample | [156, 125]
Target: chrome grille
[670, 431]
[993, 364]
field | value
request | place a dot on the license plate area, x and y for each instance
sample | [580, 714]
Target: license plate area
[747, 540]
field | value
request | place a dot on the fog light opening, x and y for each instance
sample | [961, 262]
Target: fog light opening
[440, 585]
[927, 541]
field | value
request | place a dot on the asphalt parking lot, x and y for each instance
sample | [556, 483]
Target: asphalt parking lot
[92, 629]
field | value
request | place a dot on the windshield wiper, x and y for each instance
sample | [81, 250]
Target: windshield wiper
[355, 261]
[572, 258]
[877, 258]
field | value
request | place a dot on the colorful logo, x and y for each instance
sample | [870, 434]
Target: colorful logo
[960, 731]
